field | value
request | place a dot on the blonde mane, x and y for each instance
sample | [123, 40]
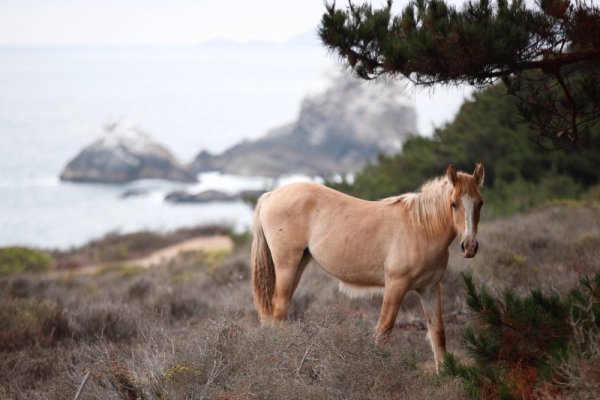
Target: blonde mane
[429, 208]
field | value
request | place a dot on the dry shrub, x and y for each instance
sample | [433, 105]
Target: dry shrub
[118, 247]
[231, 272]
[165, 334]
[579, 377]
[172, 305]
[547, 248]
[26, 323]
[588, 241]
[20, 287]
[115, 323]
[28, 373]
[325, 355]
[139, 290]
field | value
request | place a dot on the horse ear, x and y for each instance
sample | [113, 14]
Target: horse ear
[479, 174]
[451, 174]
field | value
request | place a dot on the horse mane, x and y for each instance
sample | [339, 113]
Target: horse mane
[429, 207]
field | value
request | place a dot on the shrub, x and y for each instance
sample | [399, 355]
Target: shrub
[17, 259]
[588, 241]
[517, 343]
[24, 323]
[110, 322]
[231, 271]
[240, 239]
[115, 246]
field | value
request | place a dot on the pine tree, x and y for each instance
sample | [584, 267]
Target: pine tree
[515, 342]
[548, 55]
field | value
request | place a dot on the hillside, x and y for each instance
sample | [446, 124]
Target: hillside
[341, 125]
[188, 328]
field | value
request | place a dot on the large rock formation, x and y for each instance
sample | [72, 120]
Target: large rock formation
[124, 153]
[341, 126]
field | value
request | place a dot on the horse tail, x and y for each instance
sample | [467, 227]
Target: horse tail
[263, 268]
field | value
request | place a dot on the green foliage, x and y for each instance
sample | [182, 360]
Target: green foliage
[14, 260]
[239, 238]
[516, 342]
[488, 129]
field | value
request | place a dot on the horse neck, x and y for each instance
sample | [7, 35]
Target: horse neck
[429, 211]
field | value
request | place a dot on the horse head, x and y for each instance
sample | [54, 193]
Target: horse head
[466, 202]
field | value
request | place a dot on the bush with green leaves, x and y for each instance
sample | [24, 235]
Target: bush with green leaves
[517, 342]
[17, 259]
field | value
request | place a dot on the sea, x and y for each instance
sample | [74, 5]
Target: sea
[54, 101]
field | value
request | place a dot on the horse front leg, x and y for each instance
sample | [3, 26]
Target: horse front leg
[393, 294]
[432, 307]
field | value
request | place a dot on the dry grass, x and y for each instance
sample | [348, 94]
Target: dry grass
[119, 247]
[188, 329]
[547, 248]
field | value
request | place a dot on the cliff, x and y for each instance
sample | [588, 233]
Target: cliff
[342, 125]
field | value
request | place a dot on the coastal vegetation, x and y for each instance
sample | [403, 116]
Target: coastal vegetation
[488, 129]
[17, 259]
[187, 328]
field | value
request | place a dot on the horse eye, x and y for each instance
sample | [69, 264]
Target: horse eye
[453, 205]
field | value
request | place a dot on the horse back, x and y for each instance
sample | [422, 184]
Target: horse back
[346, 236]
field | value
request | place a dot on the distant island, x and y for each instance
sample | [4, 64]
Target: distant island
[309, 38]
[342, 125]
[122, 154]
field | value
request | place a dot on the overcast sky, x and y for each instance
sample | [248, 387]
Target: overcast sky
[180, 22]
[153, 21]
[187, 22]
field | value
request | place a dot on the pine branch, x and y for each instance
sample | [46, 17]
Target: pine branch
[430, 42]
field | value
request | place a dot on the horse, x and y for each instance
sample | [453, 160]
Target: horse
[391, 246]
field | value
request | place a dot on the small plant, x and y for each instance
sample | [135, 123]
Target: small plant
[588, 241]
[516, 342]
[214, 259]
[15, 259]
[240, 238]
[179, 371]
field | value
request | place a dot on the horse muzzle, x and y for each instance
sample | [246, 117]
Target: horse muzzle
[469, 247]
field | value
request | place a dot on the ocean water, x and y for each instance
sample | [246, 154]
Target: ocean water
[54, 101]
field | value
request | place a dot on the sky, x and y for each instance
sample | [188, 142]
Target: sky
[184, 23]
[157, 22]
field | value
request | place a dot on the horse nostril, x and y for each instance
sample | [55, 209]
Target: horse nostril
[476, 246]
[462, 246]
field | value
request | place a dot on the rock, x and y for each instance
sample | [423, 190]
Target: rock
[207, 196]
[123, 154]
[341, 126]
[134, 193]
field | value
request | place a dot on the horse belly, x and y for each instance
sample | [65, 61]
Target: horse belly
[353, 265]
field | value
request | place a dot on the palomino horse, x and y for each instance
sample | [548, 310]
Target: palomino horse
[394, 245]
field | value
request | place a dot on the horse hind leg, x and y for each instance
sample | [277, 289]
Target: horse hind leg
[289, 267]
